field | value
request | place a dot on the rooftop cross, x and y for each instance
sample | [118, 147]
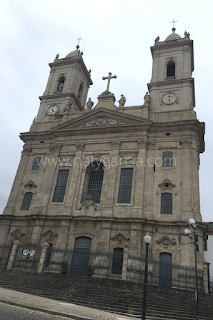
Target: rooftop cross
[79, 40]
[109, 78]
[173, 23]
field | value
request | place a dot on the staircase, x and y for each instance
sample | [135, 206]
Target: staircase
[123, 297]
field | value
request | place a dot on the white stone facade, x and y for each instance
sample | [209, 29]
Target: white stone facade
[135, 137]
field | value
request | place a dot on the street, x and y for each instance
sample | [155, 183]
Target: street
[9, 312]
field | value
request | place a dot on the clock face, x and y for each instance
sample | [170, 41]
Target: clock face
[169, 98]
[52, 110]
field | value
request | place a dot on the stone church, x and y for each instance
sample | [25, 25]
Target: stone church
[97, 178]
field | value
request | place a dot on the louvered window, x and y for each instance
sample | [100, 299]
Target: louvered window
[93, 181]
[27, 201]
[61, 84]
[166, 203]
[125, 188]
[36, 163]
[167, 159]
[60, 187]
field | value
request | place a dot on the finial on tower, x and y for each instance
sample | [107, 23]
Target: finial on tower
[79, 40]
[173, 29]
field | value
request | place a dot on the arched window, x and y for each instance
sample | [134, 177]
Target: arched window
[93, 181]
[166, 203]
[80, 90]
[36, 164]
[27, 201]
[117, 261]
[170, 69]
[167, 159]
[61, 83]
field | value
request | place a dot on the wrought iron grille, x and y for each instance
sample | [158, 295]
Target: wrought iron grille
[93, 181]
[166, 203]
[109, 265]
[27, 256]
[4, 256]
[125, 188]
[36, 164]
[167, 159]
[117, 261]
[27, 201]
[60, 186]
[48, 255]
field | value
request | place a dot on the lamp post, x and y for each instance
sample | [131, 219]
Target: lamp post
[147, 240]
[193, 240]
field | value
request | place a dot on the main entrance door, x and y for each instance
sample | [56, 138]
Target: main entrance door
[165, 276]
[80, 258]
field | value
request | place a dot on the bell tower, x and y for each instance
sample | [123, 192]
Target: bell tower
[67, 88]
[172, 86]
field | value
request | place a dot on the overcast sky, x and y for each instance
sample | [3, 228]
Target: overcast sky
[117, 35]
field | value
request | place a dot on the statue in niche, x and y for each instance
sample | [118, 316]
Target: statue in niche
[147, 99]
[122, 101]
[89, 104]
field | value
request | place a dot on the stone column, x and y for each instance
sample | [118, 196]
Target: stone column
[74, 184]
[111, 176]
[125, 263]
[37, 229]
[12, 254]
[45, 246]
[139, 185]
[58, 256]
[205, 278]
[187, 180]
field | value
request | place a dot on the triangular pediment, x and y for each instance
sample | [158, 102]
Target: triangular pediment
[101, 118]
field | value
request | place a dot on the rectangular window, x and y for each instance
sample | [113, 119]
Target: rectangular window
[125, 188]
[166, 203]
[167, 159]
[60, 187]
[36, 163]
[27, 201]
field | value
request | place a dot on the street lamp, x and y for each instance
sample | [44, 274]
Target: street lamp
[147, 240]
[188, 232]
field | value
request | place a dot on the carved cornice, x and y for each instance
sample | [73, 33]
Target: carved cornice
[166, 241]
[101, 121]
[55, 148]
[142, 143]
[166, 184]
[80, 146]
[120, 237]
[30, 185]
[17, 233]
[186, 143]
[116, 144]
[26, 151]
[49, 233]
[150, 144]
[88, 202]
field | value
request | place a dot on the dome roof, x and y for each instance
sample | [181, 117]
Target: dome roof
[73, 53]
[173, 36]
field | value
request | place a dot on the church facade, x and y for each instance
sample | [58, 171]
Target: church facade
[98, 178]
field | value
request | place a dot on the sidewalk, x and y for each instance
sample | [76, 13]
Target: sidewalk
[56, 307]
